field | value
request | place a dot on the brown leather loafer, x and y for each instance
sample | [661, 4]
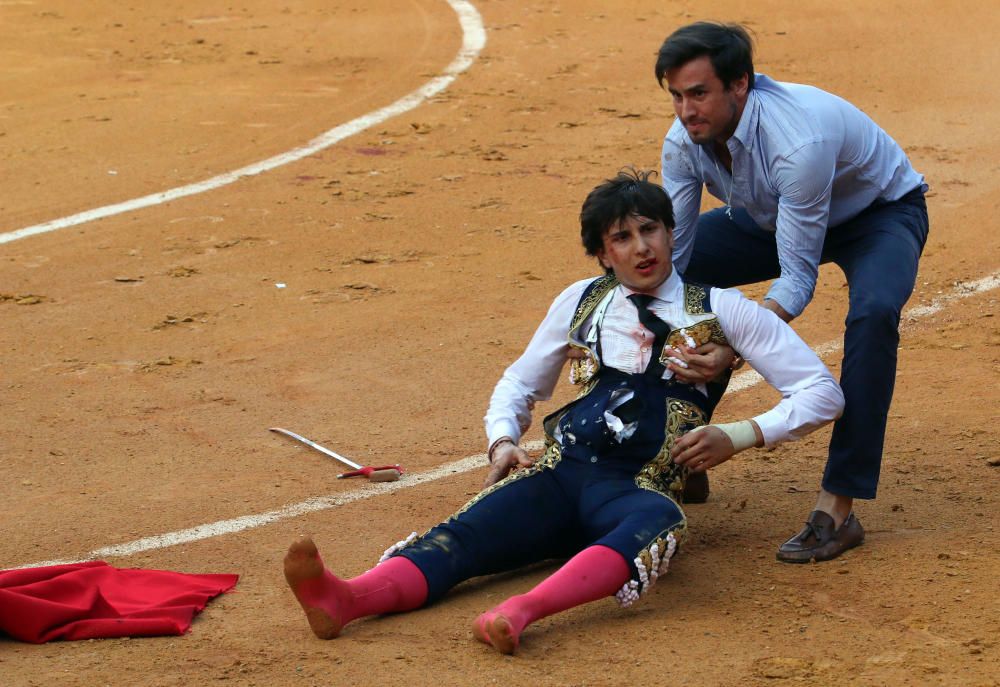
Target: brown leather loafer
[820, 541]
[696, 488]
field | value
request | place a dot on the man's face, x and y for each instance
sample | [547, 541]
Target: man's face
[638, 250]
[708, 111]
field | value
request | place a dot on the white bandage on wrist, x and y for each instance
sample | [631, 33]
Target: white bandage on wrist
[740, 433]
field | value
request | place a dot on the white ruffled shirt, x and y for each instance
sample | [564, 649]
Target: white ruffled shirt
[810, 397]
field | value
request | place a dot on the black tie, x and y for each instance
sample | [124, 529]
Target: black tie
[654, 324]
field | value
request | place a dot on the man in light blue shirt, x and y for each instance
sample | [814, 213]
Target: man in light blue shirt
[806, 178]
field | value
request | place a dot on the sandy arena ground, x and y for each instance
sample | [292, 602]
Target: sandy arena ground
[146, 354]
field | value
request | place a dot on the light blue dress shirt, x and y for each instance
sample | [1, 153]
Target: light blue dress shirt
[803, 160]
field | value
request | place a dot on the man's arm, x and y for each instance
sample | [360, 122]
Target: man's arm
[810, 396]
[804, 182]
[810, 399]
[531, 378]
[684, 186]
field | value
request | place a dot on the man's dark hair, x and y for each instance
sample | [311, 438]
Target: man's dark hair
[728, 46]
[629, 193]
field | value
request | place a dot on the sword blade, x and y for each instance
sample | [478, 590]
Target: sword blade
[312, 444]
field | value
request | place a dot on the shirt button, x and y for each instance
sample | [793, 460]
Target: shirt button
[645, 349]
[593, 459]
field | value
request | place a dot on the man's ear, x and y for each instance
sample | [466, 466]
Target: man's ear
[740, 86]
[600, 258]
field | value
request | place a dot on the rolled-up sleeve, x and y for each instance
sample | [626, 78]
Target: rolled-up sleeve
[804, 182]
[533, 376]
[810, 397]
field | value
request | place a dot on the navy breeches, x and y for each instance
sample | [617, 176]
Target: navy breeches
[541, 513]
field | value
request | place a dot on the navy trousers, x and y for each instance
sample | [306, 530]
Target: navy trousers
[543, 513]
[878, 251]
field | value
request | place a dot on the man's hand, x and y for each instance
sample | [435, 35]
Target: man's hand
[704, 363]
[706, 446]
[505, 457]
[703, 449]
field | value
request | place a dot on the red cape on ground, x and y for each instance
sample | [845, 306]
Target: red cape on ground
[95, 600]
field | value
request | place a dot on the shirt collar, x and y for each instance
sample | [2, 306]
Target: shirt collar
[669, 291]
[748, 120]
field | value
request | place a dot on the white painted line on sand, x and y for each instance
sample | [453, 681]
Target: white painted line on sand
[961, 290]
[739, 382]
[473, 41]
[247, 522]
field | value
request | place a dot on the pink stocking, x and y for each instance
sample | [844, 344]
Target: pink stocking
[330, 603]
[592, 574]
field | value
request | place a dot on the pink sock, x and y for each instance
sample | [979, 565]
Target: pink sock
[394, 586]
[592, 574]
[330, 603]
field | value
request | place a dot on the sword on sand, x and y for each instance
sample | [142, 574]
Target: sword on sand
[384, 473]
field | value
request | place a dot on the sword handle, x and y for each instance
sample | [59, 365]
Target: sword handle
[388, 473]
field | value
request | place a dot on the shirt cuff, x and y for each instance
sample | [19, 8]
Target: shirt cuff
[773, 427]
[503, 428]
[788, 296]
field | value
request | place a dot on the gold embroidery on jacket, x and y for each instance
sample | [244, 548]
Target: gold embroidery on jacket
[703, 332]
[661, 474]
[548, 460]
[597, 293]
[694, 299]
[582, 370]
